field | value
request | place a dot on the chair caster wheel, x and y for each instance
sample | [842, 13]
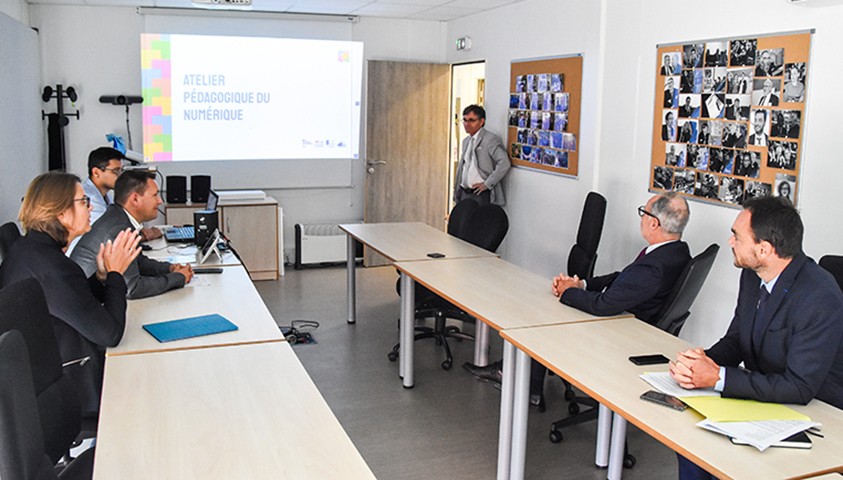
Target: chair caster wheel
[555, 436]
[573, 408]
[569, 395]
[629, 461]
[392, 356]
[447, 364]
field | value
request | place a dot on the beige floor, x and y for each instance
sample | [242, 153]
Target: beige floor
[447, 426]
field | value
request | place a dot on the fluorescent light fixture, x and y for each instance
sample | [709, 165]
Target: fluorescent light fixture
[229, 13]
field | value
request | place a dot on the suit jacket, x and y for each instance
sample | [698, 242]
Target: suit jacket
[144, 277]
[641, 288]
[87, 315]
[492, 163]
[764, 138]
[799, 354]
[669, 96]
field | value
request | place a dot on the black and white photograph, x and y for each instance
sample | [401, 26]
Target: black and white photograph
[714, 80]
[691, 81]
[747, 164]
[547, 101]
[785, 124]
[742, 52]
[692, 55]
[535, 101]
[717, 132]
[544, 138]
[716, 161]
[556, 139]
[735, 135]
[739, 80]
[547, 122]
[669, 126]
[731, 190]
[737, 107]
[770, 63]
[683, 181]
[697, 157]
[557, 83]
[543, 82]
[521, 135]
[704, 137]
[569, 141]
[522, 101]
[760, 135]
[671, 64]
[757, 190]
[513, 118]
[561, 159]
[765, 92]
[535, 119]
[526, 151]
[689, 106]
[794, 82]
[713, 105]
[560, 121]
[671, 92]
[781, 154]
[523, 118]
[674, 155]
[547, 157]
[560, 102]
[716, 54]
[532, 83]
[515, 151]
[688, 131]
[533, 137]
[706, 185]
[520, 83]
[514, 100]
[663, 178]
[785, 186]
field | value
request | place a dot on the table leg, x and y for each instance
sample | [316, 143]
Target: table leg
[604, 430]
[618, 447]
[505, 429]
[481, 344]
[408, 310]
[521, 402]
[351, 271]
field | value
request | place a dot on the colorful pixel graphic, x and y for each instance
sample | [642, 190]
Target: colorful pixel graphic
[157, 101]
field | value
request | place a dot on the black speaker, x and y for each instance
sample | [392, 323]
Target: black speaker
[176, 189]
[200, 185]
[204, 223]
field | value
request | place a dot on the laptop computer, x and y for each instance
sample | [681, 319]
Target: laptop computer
[188, 233]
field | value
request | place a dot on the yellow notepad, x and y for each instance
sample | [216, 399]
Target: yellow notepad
[718, 409]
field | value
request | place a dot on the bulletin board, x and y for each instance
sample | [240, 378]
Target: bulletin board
[728, 117]
[544, 114]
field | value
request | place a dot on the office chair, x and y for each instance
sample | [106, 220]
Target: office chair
[834, 265]
[23, 308]
[8, 234]
[484, 227]
[671, 318]
[22, 453]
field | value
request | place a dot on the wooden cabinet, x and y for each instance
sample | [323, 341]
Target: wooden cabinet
[251, 226]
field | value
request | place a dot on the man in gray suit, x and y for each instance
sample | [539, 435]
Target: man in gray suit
[136, 200]
[484, 161]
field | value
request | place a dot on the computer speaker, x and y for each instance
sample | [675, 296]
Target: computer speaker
[176, 189]
[204, 223]
[200, 185]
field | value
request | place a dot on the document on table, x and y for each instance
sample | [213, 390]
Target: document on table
[662, 382]
[719, 409]
[759, 434]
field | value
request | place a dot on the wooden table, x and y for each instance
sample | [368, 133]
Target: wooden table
[237, 412]
[230, 294]
[502, 296]
[594, 357]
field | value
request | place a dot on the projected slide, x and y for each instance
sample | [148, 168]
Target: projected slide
[245, 98]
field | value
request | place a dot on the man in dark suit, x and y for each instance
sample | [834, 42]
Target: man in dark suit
[641, 288]
[484, 161]
[787, 330]
[669, 94]
[136, 200]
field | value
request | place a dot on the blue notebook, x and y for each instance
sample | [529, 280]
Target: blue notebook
[189, 327]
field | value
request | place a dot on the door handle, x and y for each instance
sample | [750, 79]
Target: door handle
[375, 162]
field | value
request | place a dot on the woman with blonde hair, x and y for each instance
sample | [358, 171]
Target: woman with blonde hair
[89, 314]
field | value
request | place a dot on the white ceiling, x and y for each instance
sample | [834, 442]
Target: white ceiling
[441, 10]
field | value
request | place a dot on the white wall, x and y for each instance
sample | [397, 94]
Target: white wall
[97, 50]
[16, 9]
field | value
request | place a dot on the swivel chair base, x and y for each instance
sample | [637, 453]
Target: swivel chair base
[440, 332]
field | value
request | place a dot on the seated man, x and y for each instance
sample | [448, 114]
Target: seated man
[640, 288]
[787, 329]
[136, 200]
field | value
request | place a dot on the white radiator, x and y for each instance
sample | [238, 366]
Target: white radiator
[319, 243]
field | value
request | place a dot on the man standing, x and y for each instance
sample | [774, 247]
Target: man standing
[136, 201]
[669, 94]
[759, 123]
[787, 329]
[484, 161]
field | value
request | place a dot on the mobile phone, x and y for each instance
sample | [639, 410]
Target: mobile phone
[201, 270]
[797, 440]
[436, 255]
[655, 359]
[663, 399]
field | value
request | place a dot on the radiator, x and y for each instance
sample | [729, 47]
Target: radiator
[319, 244]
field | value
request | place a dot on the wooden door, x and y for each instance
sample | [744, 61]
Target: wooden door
[406, 144]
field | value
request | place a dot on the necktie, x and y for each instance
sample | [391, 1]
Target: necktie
[757, 324]
[641, 253]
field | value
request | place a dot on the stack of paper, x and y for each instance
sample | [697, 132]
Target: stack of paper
[758, 423]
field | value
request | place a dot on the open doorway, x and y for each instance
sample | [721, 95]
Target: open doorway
[468, 86]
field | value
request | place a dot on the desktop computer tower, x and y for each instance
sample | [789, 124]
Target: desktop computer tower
[204, 224]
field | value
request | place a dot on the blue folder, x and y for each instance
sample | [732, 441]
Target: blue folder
[189, 327]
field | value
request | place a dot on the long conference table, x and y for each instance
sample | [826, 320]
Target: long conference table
[231, 405]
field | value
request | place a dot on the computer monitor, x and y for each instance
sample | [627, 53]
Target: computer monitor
[213, 200]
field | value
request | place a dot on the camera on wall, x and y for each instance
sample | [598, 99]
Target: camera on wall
[121, 99]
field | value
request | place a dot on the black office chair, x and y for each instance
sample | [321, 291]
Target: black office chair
[671, 318]
[834, 265]
[484, 227]
[8, 234]
[23, 308]
[22, 453]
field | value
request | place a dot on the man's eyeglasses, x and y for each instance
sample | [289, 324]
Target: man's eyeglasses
[117, 170]
[470, 120]
[642, 212]
[84, 199]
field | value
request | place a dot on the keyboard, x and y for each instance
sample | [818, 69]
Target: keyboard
[179, 234]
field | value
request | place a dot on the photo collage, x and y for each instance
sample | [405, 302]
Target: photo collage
[538, 111]
[729, 116]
